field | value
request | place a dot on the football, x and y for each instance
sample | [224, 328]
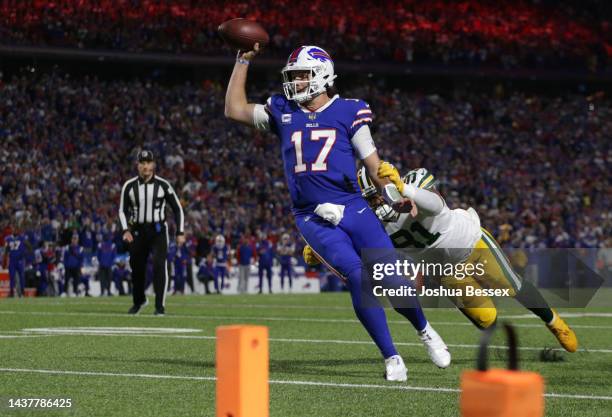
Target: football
[243, 34]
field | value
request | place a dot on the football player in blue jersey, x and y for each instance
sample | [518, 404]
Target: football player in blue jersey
[15, 250]
[321, 135]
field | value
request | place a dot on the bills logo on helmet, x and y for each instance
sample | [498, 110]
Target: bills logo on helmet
[319, 54]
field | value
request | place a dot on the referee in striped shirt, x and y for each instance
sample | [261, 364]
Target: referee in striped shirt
[143, 222]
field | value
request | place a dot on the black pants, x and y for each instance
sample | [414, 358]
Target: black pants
[73, 274]
[105, 275]
[148, 240]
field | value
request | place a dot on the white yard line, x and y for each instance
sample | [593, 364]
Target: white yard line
[195, 304]
[17, 336]
[288, 340]
[271, 318]
[109, 330]
[281, 382]
[204, 304]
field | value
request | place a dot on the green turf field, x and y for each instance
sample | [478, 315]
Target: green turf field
[321, 360]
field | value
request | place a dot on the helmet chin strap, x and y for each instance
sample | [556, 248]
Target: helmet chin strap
[303, 99]
[308, 97]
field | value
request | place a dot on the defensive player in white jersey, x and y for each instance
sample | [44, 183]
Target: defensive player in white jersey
[434, 233]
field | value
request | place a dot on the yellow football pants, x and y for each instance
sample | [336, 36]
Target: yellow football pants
[498, 273]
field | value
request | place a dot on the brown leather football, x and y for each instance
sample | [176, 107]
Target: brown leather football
[243, 34]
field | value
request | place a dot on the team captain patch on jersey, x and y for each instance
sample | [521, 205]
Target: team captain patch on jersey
[318, 149]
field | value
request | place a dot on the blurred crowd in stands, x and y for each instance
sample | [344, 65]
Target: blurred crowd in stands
[508, 34]
[535, 167]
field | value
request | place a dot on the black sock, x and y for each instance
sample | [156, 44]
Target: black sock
[530, 297]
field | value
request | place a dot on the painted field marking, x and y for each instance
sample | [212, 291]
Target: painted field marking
[311, 341]
[270, 318]
[110, 330]
[284, 382]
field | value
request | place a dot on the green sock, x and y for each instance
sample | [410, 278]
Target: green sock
[530, 297]
[546, 314]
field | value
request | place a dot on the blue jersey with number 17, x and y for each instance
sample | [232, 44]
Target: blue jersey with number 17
[318, 156]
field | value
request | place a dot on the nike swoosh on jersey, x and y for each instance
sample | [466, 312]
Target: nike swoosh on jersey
[361, 211]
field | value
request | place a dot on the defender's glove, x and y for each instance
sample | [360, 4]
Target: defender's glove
[387, 170]
[310, 257]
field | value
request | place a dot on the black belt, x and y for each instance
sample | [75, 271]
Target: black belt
[158, 226]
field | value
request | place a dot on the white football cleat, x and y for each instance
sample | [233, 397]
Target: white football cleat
[436, 348]
[395, 370]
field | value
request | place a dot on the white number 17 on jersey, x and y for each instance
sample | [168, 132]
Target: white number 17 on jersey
[320, 164]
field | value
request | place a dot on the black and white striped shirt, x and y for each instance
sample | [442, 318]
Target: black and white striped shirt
[145, 203]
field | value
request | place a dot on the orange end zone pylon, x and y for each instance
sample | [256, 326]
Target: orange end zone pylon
[501, 392]
[242, 371]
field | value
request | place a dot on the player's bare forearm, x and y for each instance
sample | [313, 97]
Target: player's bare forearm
[394, 198]
[371, 162]
[236, 105]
